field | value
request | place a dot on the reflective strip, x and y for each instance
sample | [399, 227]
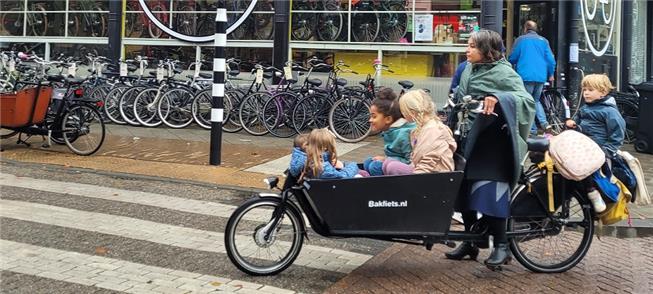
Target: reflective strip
[220, 40]
[217, 90]
[217, 114]
[219, 64]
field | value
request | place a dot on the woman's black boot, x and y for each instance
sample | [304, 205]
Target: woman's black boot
[500, 255]
[465, 249]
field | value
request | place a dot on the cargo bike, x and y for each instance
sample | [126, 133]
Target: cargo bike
[547, 232]
[53, 109]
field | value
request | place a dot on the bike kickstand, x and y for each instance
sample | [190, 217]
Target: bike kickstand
[21, 141]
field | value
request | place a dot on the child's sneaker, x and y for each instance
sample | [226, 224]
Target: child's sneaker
[597, 201]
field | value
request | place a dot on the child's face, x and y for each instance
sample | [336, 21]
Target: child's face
[379, 121]
[590, 95]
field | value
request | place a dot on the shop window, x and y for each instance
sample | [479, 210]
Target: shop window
[78, 51]
[37, 48]
[638, 60]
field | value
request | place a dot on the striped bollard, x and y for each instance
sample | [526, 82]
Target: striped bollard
[219, 68]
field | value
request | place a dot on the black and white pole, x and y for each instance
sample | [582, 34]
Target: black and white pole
[219, 68]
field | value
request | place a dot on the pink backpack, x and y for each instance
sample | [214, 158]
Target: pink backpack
[575, 155]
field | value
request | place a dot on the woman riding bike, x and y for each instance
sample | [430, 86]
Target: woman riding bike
[495, 146]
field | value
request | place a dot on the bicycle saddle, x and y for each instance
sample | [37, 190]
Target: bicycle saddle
[341, 82]
[538, 144]
[267, 75]
[406, 84]
[314, 82]
[234, 72]
[206, 76]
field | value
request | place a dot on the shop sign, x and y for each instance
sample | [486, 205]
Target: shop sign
[598, 22]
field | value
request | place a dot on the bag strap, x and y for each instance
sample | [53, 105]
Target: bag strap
[548, 164]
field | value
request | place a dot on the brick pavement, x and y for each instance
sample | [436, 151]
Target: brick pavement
[611, 266]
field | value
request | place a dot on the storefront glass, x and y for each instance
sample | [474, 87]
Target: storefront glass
[599, 37]
[638, 60]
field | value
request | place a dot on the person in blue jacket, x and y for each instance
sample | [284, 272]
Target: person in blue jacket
[320, 158]
[599, 117]
[534, 62]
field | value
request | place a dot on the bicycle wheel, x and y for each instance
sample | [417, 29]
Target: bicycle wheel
[82, 129]
[201, 109]
[174, 108]
[630, 112]
[312, 112]
[185, 21]
[364, 26]
[38, 22]
[554, 109]
[12, 21]
[251, 113]
[349, 119]
[145, 108]
[126, 105]
[73, 25]
[277, 115]
[97, 23]
[393, 24]
[160, 12]
[248, 248]
[329, 25]
[263, 22]
[112, 104]
[303, 26]
[551, 245]
[232, 119]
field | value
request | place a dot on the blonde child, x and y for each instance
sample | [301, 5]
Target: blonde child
[599, 117]
[432, 142]
[321, 158]
[600, 120]
[385, 117]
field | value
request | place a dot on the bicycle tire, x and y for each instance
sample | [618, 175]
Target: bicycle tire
[240, 219]
[349, 119]
[250, 113]
[277, 113]
[73, 25]
[393, 26]
[112, 104]
[364, 26]
[126, 105]
[76, 126]
[303, 26]
[329, 25]
[38, 9]
[525, 248]
[174, 108]
[12, 21]
[311, 112]
[154, 31]
[263, 22]
[145, 107]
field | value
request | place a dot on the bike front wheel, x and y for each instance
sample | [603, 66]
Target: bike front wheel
[552, 244]
[251, 249]
[83, 130]
[174, 108]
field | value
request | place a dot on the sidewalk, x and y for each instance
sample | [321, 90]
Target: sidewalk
[246, 160]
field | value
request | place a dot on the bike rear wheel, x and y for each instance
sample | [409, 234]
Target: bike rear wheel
[312, 112]
[174, 108]
[349, 119]
[248, 248]
[126, 105]
[557, 244]
[630, 112]
[83, 130]
[112, 104]
[251, 113]
[277, 115]
[144, 108]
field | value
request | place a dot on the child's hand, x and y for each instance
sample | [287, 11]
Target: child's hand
[570, 123]
[378, 158]
[339, 164]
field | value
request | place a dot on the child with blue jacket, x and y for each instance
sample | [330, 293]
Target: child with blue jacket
[600, 120]
[319, 158]
[599, 117]
[385, 116]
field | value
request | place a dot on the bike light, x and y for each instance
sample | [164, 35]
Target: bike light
[99, 103]
[79, 92]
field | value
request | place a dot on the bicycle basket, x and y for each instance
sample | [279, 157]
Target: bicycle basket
[25, 107]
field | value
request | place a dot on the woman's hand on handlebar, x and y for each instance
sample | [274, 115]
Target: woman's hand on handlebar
[488, 105]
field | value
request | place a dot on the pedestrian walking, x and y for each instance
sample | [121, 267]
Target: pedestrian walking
[533, 60]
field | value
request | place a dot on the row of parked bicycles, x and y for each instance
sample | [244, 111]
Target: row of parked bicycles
[130, 93]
